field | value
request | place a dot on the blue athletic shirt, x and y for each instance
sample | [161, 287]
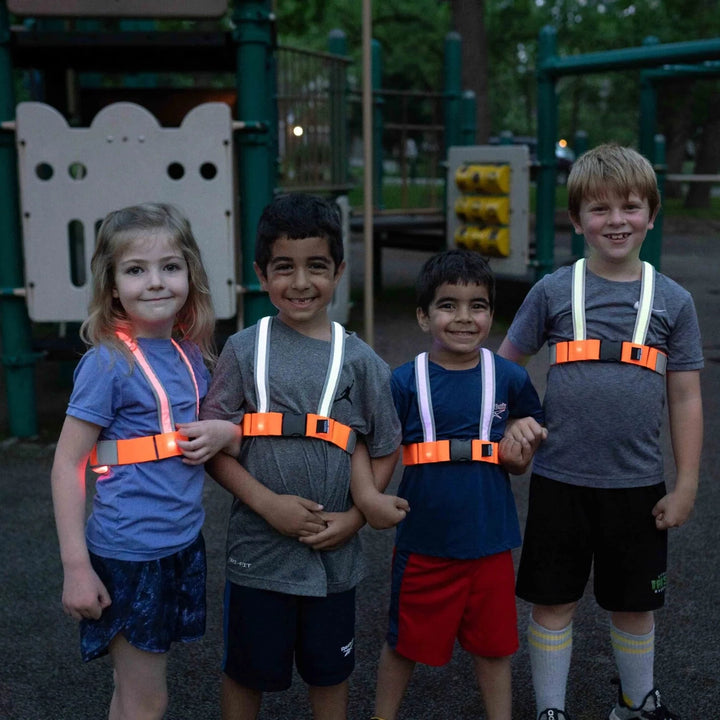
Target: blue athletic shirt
[148, 510]
[460, 510]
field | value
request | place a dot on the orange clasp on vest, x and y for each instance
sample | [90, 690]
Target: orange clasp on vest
[299, 425]
[451, 451]
[134, 450]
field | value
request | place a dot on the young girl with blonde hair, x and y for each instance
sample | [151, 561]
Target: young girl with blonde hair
[134, 575]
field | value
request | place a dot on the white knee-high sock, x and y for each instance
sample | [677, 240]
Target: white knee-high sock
[634, 658]
[550, 652]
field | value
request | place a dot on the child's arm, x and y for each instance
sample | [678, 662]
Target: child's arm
[368, 480]
[511, 352]
[84, 595]
[208, 437]
[341, 526]
[517, 447]
[686, 434]
[290, 515]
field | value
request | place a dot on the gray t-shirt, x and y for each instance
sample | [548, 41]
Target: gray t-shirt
[257, 555]
[604, 418]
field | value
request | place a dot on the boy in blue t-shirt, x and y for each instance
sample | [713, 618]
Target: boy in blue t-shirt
[597, 495]
[453, 573]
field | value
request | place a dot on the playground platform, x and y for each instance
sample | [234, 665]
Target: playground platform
[43, 678]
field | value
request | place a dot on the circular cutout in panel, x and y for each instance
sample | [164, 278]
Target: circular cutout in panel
[44, 171]
[208, 170]
[175, 170]
[77, 171]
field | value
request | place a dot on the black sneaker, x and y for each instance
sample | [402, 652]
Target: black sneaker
[650, 709]
[553, 714]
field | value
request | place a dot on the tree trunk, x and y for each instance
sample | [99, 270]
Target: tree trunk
[469, 21]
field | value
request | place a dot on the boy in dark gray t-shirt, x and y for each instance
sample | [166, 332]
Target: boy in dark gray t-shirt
[622, 337]
[304, 390]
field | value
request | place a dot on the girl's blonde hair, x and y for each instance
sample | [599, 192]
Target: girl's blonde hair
[613, 169]
[106, 316]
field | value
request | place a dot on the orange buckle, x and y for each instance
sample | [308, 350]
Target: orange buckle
[573, 350]
[609, 351]
[451, 451]
[134, 450]
[299, 425]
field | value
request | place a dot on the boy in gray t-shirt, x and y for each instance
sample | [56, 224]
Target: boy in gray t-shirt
[304, 390]
[622, 337]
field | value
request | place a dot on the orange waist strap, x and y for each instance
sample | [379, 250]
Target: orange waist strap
[609, 351]
[451, 451]
[134, 450]
[299, 425]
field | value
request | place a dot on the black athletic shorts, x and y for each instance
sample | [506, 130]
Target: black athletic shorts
[571, 529]
[265, 631]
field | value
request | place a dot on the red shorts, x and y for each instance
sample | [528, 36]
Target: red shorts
[436, 600]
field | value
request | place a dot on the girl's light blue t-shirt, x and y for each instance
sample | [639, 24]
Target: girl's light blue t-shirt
[147, 510]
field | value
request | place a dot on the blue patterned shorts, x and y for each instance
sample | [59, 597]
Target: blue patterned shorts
[154, 602]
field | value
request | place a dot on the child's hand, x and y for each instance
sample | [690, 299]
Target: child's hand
[294, 516]
[517, 447]
[384, 511]
[208, 437]
[673, 509]
[341, 526]
[84, 595]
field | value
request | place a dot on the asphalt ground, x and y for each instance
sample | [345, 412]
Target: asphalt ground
[43, 678]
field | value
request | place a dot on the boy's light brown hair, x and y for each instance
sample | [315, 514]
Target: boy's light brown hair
[611, 169]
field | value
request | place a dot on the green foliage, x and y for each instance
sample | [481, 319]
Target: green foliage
[410, 32]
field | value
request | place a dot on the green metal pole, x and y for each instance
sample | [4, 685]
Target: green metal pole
[547, 133]
[257, 171]
[652, 247]
[577, 241]
[648, 109]
[18, 359]
[378, 123]
[468, 121]
[337, 45]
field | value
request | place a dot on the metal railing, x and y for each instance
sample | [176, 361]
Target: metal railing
[312, 121]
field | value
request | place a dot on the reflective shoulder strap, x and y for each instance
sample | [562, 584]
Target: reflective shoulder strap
[186, 360]
[422, 385]
[487, 408]
[262, 344]
[578, 299]
[332, 377]
[647, 294]
[165, 418]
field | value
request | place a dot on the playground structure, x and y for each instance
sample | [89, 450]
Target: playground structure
[260, 130]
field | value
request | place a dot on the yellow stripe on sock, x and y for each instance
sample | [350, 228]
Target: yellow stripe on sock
[550, 641]
[634, 647]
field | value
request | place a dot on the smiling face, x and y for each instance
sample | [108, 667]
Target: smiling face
[459, 319]
[614, 228]
[300, 279]
[151, 283]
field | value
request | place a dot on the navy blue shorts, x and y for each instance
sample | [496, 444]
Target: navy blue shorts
[154, 602]
[571, 529]
[265, 631]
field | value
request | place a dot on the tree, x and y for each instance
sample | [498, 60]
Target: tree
[469, 21]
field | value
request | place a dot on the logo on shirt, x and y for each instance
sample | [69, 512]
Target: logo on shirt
[345, 394]
[347, 649]
[500, 410]
[239, 563]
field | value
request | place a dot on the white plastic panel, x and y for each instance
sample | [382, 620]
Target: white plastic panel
[70, 178]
